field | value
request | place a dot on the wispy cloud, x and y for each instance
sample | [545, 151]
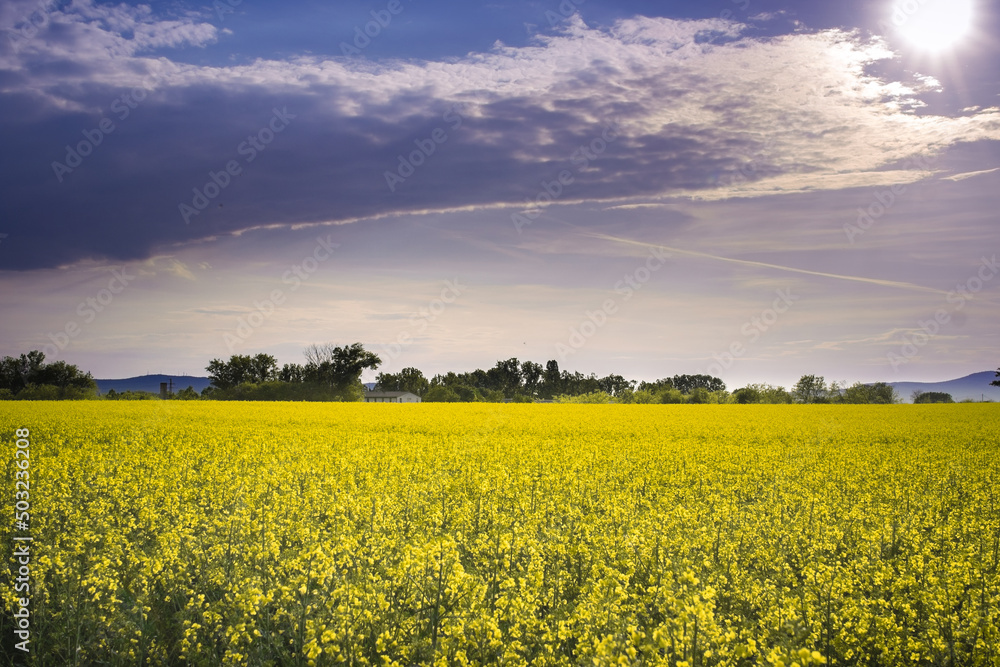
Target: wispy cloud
[971, 174]
[764, 265]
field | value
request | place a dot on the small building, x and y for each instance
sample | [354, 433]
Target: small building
[391, 397]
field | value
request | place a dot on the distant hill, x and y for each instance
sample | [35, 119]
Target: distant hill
[971, 386]
[151, 383]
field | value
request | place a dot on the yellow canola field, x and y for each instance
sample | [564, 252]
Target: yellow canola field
[478, 534]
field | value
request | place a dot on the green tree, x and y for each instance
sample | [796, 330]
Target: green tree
[188, 394]
[441, 394]
[447, 380]
[532, 374]
[747, 395]
[292, 373]
[340, 368]
[467, 394]
[596, 397]
[505, 377]
[408, 379]
[657, 386]
[671, 396]
[810, 389]
[131, 395]
[878, 393]
[774, 395]
[39, 392]
[996, 383]
[644, 397]
[699, 395]
[883, 394]
[932, 397]
[551, 380]
[688, 383]
[577, 384]
[17, 373]
[616, 385]
[242, 369]
[65, 376]
[460, 384]
[30, 371]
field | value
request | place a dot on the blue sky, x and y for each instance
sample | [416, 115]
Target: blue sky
[753, 189]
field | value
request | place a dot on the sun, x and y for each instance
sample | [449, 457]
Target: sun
[934, 25]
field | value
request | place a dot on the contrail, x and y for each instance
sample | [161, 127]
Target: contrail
[746, 262]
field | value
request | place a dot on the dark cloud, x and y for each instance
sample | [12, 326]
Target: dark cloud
[492, 130]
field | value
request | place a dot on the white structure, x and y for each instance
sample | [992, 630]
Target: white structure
[391, 397]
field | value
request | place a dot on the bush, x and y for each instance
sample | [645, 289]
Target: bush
[879, 393]
[44, 382]
[699, 395]
[595, 397]
[188, 394]
[441, 394]
[933, 397]
[130, 395]
[776, 396]
[276, 390]
[747, 395]
[672, 396]
[720, 397]
[644, 397]
[466, 394]
[492, 396]
[48, 392]
[39, 392]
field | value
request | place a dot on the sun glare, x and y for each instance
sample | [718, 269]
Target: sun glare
[933, 25]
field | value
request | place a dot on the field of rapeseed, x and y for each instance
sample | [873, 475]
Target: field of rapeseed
[294, 534]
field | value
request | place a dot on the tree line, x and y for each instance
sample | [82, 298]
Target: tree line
[517, 381]
[333, 373]
[29, 378]
[511, 380]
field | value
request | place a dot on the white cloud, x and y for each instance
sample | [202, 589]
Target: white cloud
[970, 174]
[796, 113]
[799, 104]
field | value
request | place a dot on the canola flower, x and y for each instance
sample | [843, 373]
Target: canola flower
[441, 534]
